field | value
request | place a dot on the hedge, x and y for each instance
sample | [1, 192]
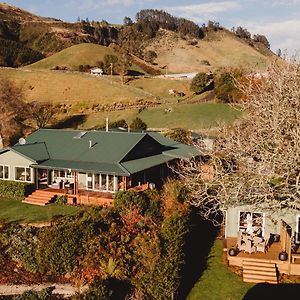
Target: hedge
[15, 189]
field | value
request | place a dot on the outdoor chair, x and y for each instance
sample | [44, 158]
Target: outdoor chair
[262, 246]
[249, 247]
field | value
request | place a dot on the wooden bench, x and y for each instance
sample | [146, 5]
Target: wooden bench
[295, 256]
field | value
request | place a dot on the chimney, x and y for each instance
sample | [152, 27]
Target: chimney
[106, 127]
[128, 128]
[90, 144]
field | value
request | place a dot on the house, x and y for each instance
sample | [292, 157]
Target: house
[278, 233]
[90, 166]
[96, 72]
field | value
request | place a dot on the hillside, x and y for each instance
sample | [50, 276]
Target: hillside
[45, 35]
[177, 51]
[219, 49]
[72, 57]
[85, 89]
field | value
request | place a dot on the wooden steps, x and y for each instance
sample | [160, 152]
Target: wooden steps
[257, 271]
[39, 197]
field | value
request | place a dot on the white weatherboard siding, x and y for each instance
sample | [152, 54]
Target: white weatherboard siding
[13, 160]
[271, 220]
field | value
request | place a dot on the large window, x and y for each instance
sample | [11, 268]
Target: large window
[251, 222]
[4, 172]
[23, 174]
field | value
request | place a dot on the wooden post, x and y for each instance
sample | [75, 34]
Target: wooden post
[76, 183]
[37, 178]
[124, 180]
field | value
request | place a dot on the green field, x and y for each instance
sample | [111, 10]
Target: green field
[14, 210]
[72, 57]
[217, 281]
[188, 116]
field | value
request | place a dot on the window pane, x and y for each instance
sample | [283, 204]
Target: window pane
[62, 173]
[20, 174]
[28, 174]
[97, 181]
[110, 183]
[1, 172]
[6, 171]
[103, 187]
[90, 181]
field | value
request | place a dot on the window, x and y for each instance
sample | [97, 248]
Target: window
[23, 174]
[251, 222]
[4, 172]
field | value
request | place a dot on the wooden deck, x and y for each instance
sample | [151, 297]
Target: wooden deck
[84, 197]
[271, 256]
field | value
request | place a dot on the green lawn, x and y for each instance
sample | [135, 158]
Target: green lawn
[190, 116]
[14, 210]
[217, 281]
[187, 116]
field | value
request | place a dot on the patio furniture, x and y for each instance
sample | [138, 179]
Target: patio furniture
[245, 243]
[261, 246]
[249, 246]
[295, 256]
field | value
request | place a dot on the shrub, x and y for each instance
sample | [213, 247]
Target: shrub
[20, 244]
[119, 123]
[179, 135]
[58, 247]
[200, 82]
[126, 200]
[225, 87]
[138, 124]
[15, 189]
[61, 200]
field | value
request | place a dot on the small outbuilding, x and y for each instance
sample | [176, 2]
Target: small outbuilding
[97, 72]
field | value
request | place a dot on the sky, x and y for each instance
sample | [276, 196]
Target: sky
[278, 20]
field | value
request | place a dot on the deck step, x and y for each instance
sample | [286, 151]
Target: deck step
[259, 271]
[35, 203]
[259, 281]
[39, 197]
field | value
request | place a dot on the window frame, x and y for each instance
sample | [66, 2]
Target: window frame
[23, 167]
[3, 177]
[252, 212]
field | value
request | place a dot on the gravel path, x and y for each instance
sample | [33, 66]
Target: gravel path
[62, 289]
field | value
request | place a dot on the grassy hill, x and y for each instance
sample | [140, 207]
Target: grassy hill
[72, 57]
[71, 87]
[197, 117]
[218, 49]
[76, 87]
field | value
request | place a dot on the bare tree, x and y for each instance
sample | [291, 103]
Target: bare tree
[41, 112]
[257, 160]
[11, 109]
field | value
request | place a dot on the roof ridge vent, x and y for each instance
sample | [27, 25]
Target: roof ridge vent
[79, 135]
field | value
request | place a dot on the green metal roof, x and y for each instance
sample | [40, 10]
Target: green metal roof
[36, 152]
[145, 163]
[114, 169]
[175, 149]
[68, 145]
[100, 151]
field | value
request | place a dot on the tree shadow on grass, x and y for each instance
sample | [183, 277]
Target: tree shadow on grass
[199, 242]
[70, 122]
[263, 291]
